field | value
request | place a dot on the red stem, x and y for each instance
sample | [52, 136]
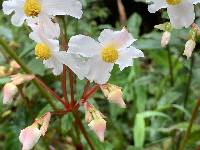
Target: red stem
[71, 82]
[50, 91]
[64, 88]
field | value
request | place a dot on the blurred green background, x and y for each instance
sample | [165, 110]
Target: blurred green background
[159, 103]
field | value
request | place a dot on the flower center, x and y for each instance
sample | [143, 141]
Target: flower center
[109, 54]
[42, 51]
[32, 8]
[173, 2]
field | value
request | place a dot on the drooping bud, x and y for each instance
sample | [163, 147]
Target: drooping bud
[14, 64]
[30, 135]
[21, 78]
[189, 47]
[165, 38]
[113, 94]
[95, 120]
[99, 127]
[9, 91]
[167, 28]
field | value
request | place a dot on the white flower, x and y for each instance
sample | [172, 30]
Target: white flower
[181, 12]
[189, 47]
[113, 47]
[24, 9]
[48, 50]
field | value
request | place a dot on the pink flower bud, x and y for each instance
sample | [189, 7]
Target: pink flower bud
[189, 47]
[114, 94]
[14, 64]
[165, 38]
[29, 137]
[9, 91]
[21, 78]
[99, 127]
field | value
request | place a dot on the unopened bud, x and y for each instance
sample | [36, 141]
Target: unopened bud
[189, 47]
[165, 38]
[14, 64]
[114, 94]
[9, 91]
[99, 127]
[21, 78]
[30, 135]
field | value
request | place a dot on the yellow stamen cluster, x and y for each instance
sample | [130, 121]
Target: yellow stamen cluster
[42, 51]
[173, 2]
[109, 54]
[32, 8]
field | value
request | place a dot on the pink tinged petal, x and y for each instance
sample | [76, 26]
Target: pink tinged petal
[116, 97]
[76, 63]
[126, 56]
[189, 47]
[180, 18]
[29, 137]
[117, 39]
[99, 127]
[45, 125]
[156, 5]
[99, 71]
[84, 45]
[9, 91]
[62, 7]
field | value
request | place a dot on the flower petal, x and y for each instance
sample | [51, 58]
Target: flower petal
[84, 45]
[74, 62]
[54, 64]
[99, 71]
[126, 56]
[180, 18]
[18, 18]
[118, 39]
[9, 6]
[63, 7]
[156, 5]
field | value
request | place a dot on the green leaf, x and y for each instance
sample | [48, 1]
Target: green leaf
[139, 131]
[134, 23]
[148, 114]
